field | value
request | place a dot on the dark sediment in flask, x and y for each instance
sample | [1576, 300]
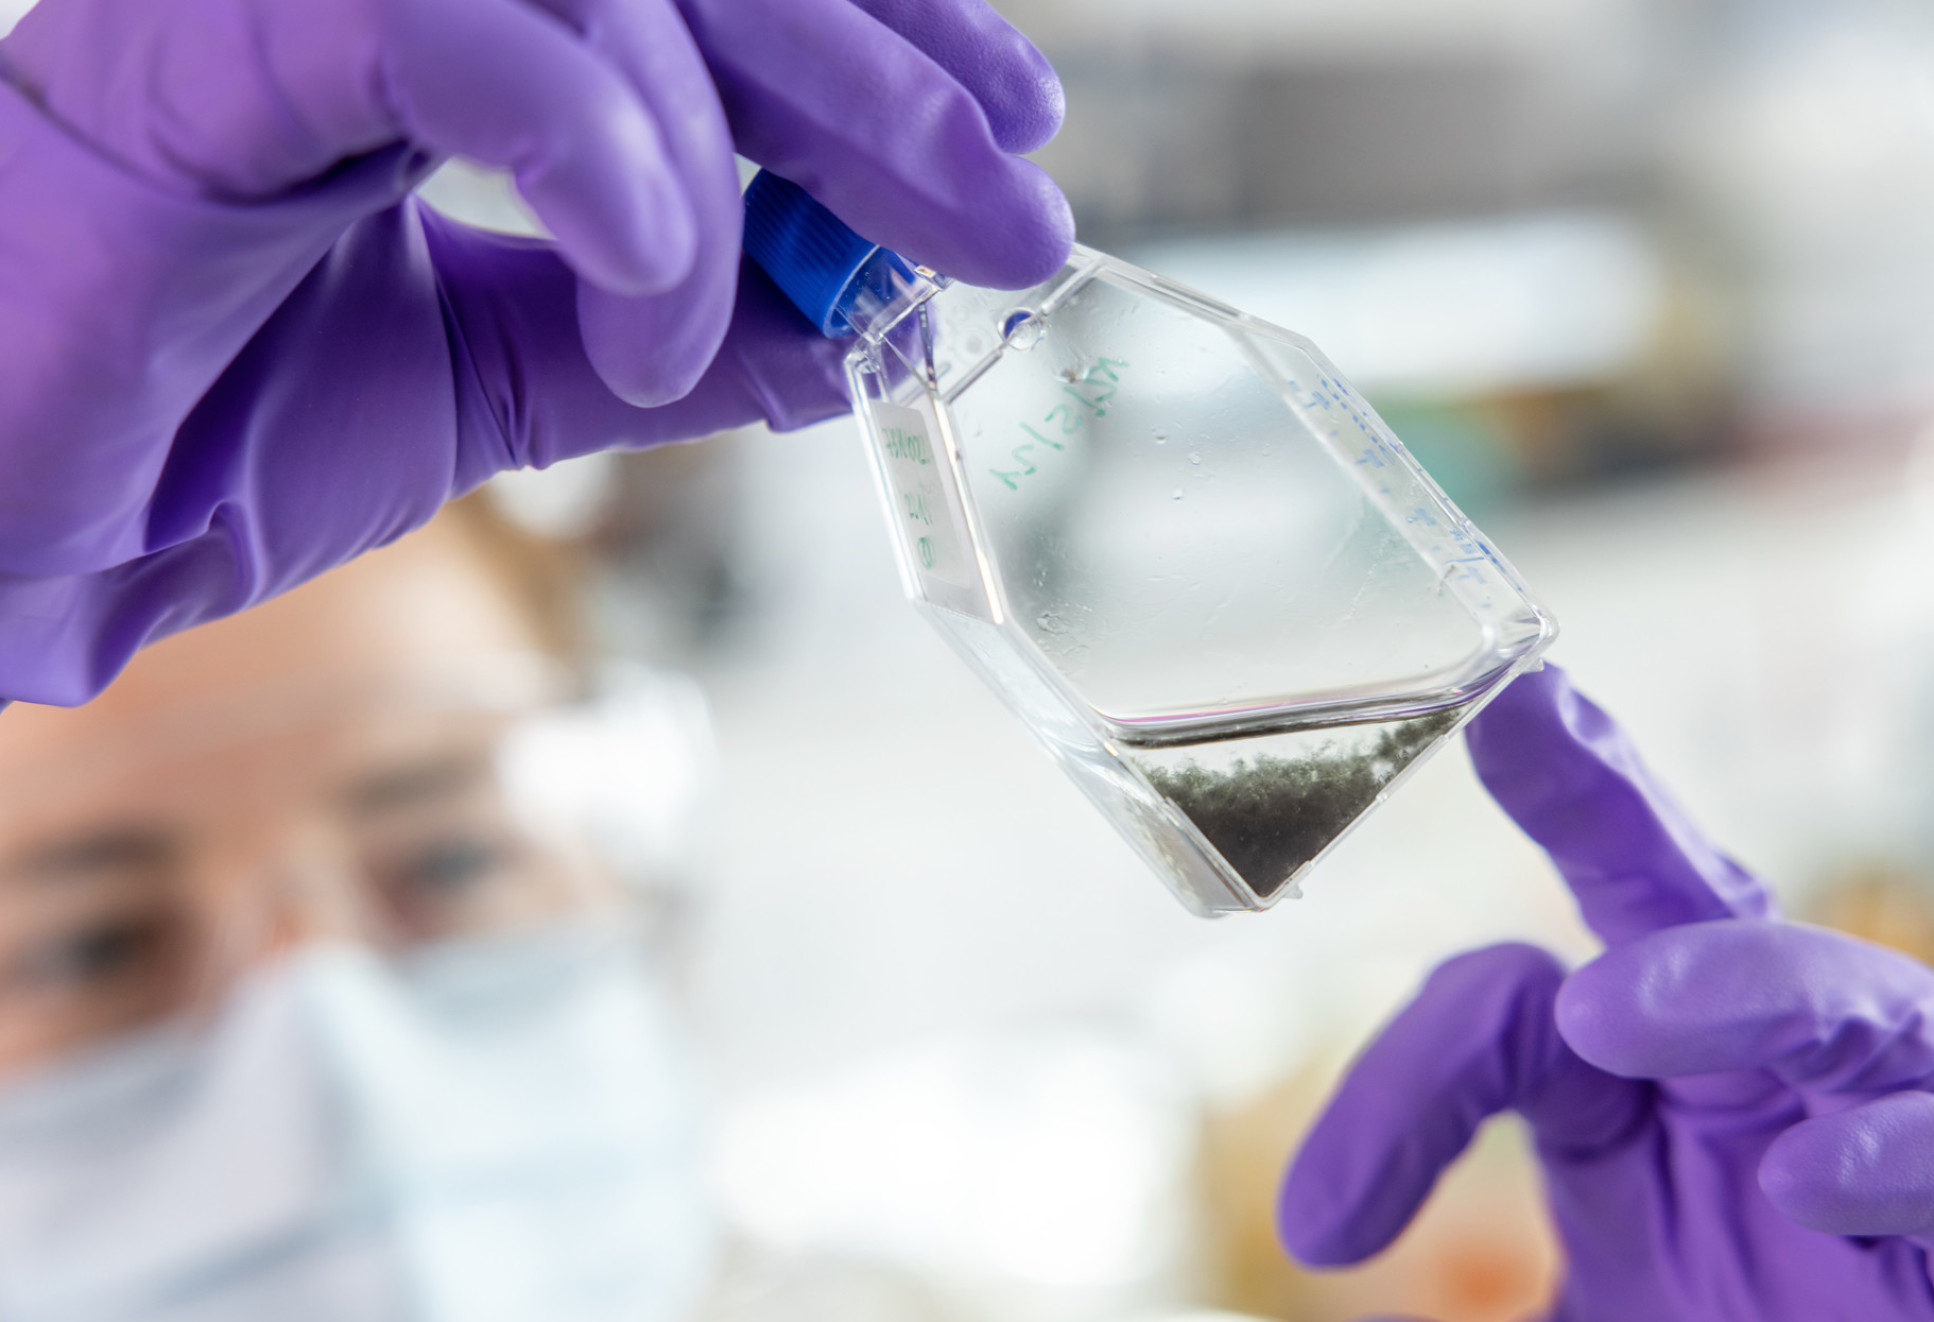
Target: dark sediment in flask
[1269, 814]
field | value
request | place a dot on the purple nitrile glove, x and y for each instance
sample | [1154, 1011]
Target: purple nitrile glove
[237, 352]
[1733, 1112]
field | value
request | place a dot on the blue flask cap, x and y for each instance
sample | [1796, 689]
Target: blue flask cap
[822, 265]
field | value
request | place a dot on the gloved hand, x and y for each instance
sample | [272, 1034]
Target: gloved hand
[237, 353]
[1733, 1112]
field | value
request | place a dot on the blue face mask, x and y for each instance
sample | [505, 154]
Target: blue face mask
[502, 1132]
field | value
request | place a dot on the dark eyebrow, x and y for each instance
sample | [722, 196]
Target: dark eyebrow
[110, 849]
[406, 787]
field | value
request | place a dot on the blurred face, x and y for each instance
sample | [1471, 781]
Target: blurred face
[323, 767]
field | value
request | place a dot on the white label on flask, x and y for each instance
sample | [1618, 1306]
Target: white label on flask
[924, 505]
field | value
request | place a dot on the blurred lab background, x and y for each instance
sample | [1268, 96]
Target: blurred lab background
[1648, 285]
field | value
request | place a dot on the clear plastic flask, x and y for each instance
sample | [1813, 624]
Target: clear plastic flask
[1173, 539]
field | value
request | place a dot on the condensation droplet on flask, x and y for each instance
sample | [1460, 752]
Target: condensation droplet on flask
[1176, 494]
[1161, 437]
[1195, 456]
[1022, 329]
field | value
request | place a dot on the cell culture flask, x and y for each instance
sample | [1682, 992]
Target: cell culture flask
[1173, 539]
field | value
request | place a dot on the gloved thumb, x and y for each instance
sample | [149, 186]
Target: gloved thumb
[1479, 1038]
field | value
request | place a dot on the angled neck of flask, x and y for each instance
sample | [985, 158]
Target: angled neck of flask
[883, 292]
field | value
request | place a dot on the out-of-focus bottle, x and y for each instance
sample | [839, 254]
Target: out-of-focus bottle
[1172, 538]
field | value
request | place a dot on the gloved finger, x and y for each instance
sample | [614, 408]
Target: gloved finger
[530, 396]
[1572, 781]
[1478, 1039]
[1012, 80]
[1821, 1010]
[510, 86]
[653, 350]
[1864, 1171]
[824, 94]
